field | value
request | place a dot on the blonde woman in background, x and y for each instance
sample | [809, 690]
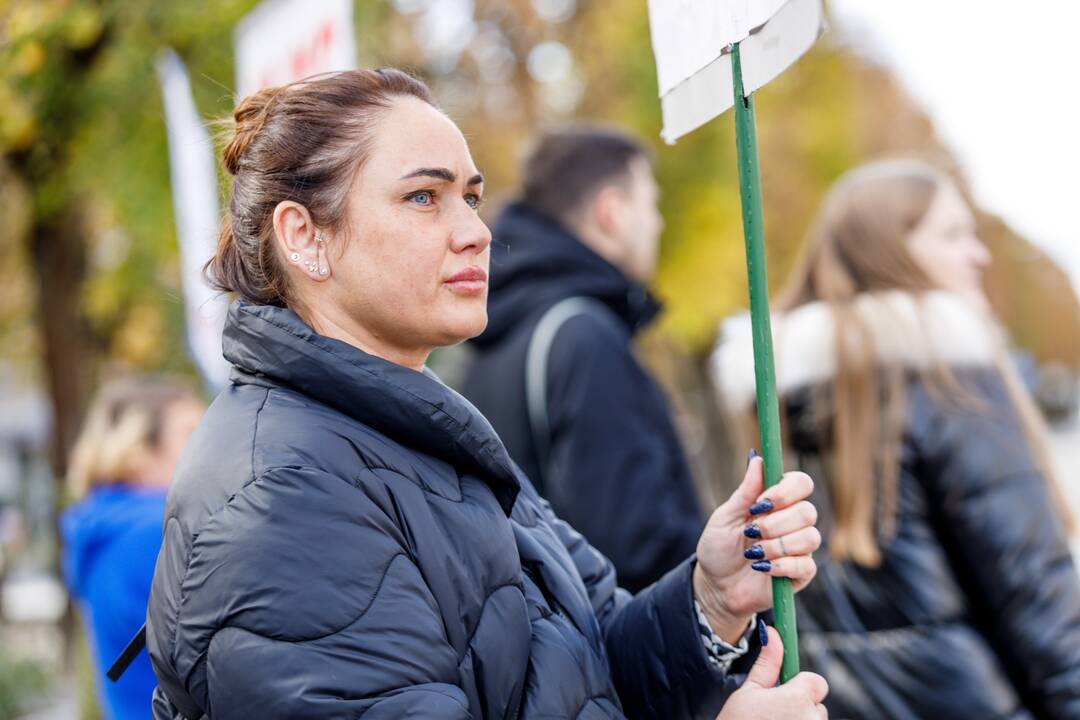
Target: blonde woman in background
[118, 476]
[945, 589]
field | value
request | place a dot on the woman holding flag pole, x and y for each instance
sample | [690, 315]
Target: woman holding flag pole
[347, 536]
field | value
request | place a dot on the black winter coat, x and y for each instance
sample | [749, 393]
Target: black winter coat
[618, 471]
[974, 613]
[346, 537]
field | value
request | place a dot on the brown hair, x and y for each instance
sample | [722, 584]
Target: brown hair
[126, 416]
[858, 245]
[569, 165]
[302, 142]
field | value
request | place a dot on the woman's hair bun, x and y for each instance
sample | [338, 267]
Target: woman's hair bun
[249, 117]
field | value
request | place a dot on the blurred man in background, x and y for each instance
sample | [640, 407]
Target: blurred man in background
[555, 370]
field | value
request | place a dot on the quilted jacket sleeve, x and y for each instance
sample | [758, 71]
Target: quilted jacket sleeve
[1000, 525]
[658, 663]
[299, 600]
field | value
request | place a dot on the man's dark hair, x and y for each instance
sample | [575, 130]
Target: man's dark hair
[568, 166]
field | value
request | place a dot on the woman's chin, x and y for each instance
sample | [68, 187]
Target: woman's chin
[464, 327]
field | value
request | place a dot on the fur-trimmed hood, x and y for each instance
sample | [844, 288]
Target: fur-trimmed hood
[916, 331]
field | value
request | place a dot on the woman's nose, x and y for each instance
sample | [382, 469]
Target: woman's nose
[469, 232]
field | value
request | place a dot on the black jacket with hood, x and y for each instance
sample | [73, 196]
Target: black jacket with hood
[616, 470]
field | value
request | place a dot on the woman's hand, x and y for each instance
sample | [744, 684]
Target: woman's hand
[759, 699]
[756, 534]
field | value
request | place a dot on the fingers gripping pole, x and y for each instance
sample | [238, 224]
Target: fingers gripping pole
[765, 375]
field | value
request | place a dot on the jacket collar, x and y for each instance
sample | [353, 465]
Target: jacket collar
[904, 329]
[413, 408]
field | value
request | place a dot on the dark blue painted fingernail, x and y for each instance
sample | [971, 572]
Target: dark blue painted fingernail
[752, 531]
[753, 454]
[761, 507]
[754, 552]
[762, 634]
[762, 565]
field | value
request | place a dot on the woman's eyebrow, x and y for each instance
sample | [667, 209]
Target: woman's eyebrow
[441, 174]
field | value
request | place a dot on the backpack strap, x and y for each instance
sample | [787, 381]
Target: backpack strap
[536, 371]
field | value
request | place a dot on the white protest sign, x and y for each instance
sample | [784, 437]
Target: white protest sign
[691, 40]
[687, 35]
[285, 40]
[195, 204]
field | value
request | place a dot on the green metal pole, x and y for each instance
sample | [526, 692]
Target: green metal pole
[764, 372]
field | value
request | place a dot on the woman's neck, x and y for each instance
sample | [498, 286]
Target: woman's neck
[343, 329]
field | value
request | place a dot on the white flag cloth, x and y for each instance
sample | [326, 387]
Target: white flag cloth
[692, 39]
[285, 40]
[195, 204]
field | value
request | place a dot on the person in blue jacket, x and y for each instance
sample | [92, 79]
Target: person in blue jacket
[347, 537]
[119, 472]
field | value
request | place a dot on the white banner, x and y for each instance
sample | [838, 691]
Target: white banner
[691, 41]
[285, 40]
[195, 204]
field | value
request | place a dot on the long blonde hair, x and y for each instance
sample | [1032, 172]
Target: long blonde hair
[126, 417]
[858, 245]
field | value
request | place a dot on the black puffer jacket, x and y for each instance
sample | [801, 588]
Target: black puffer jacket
[974, 613]
[617, 470]
[348, 537]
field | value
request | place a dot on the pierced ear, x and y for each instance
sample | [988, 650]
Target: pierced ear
[300, 242]
[323, 256]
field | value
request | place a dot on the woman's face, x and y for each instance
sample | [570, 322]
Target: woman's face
[412, 273]
[945, 246]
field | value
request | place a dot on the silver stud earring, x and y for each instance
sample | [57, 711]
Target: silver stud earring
[295, 257]
[323, 270]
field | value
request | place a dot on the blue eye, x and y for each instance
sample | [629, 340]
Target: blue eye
[473, 201]
[427, 196]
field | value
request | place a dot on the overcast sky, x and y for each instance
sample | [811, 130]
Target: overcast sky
[1001, 81]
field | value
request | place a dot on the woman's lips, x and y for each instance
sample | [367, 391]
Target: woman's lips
[470, 281]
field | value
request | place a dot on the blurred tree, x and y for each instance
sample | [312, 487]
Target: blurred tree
[48, 55]
[84, 185]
